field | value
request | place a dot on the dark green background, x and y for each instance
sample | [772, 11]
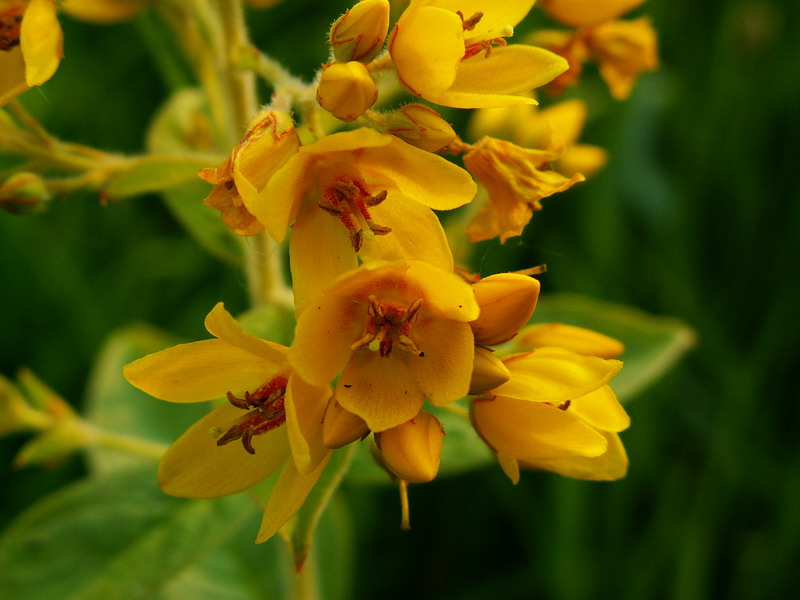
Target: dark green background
[695, 216]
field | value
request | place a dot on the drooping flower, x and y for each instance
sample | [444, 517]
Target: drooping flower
[30, 45]
[359, 193]
[398, 332]
[271, 420]
[269, 142]
[455, 54]
[624, 50]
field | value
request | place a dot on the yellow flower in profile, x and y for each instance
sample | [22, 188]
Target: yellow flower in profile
[516, 180]
[398, 332]
[624, 50]
[271, 420]
[269, 142]
[554, 413]
[30, 45]
[455, 54]
[359, 193]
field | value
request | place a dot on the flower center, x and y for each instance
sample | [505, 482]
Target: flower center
[10, 21]
[265, 412]
[477, 44]
[348, 200]
[388, 325]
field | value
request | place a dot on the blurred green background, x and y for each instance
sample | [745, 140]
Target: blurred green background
[696, 216]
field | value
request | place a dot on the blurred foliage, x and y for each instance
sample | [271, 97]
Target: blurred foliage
[694, 217]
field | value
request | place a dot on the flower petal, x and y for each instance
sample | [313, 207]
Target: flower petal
[199, 371]
[379, 389]
[305, 410]
[583, 13]
[277, 204]
[41, 40]
[601, 410]
[609, 466]
[195, 467]
[555, 375]
[12, 75]
[496, 15]
[288, 497]
[222, 325]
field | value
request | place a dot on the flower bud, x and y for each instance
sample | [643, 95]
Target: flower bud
[346, 90]
[507, 301]
[23, 193]
[576, 339]
[420, 126]
[359, 33]
[488, 372]
[412, 450]
[16, 414]
[340, 426]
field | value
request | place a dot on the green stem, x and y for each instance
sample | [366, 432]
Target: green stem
[241, 83]
[130, 445]
[264, 267]
[305, 582]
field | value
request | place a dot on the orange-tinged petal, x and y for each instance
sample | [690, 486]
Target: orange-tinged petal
[609, 466]
[555, 375]
[199, 371]
[531, 430]
[103, 11]
[444, 187]
[624, 50]
[584, 13]
[12, 75]
[305, 409]
[222, 325]
[505, 77]
[41, 40]
[314, 268]
[601, 410]
[445, 371]
[416, 234]
[427, 45]
[195, 467]
[381, 390]
[582, 158]
[287, 498]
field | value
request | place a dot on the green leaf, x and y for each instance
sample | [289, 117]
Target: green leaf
[156, 173]
[653, 344]
[119, 537]
[116, 406]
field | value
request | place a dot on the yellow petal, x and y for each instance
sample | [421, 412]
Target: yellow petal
[488, 372]
[445, 294]
[584, 13]
[530, 430]
[41, 40]
[222, 325]
[507, 301]
[496, 15]
[555, 375]
[444, 187]
[412, 449]
[416, 234]
[445, 371]
[379, 389]
[609, 466]
[510, 467]
[12, 75]
[582, 158]
[426, 46]
[195, 467]
[566, 120]
[305, 410]
[505, 77]
[287, 498]
[199, 371]
[624, 50]
[572, 338]
[601, 410]
[103, 11]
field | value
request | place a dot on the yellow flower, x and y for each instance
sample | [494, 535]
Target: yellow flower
[269, 142]
[586, 13]
[457, 55]
[515, 180]
[359, 192]
[398, 332]
[555, 413]
[554, 129]
[103, 11]
[624, 50]
[272, 418]
[30, 45]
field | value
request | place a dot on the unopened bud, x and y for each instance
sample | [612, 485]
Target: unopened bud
[507, 301]
[24, 193]
[340, 426]
[412, 450]
[54, 445]
[420, 126]
[576, 339]
[488, 372]
[346, 90]
[16, 414]
[359, 33]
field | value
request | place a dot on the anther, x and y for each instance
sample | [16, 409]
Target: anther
[469, 24]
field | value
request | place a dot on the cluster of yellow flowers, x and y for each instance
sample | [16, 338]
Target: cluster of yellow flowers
[387, 321]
